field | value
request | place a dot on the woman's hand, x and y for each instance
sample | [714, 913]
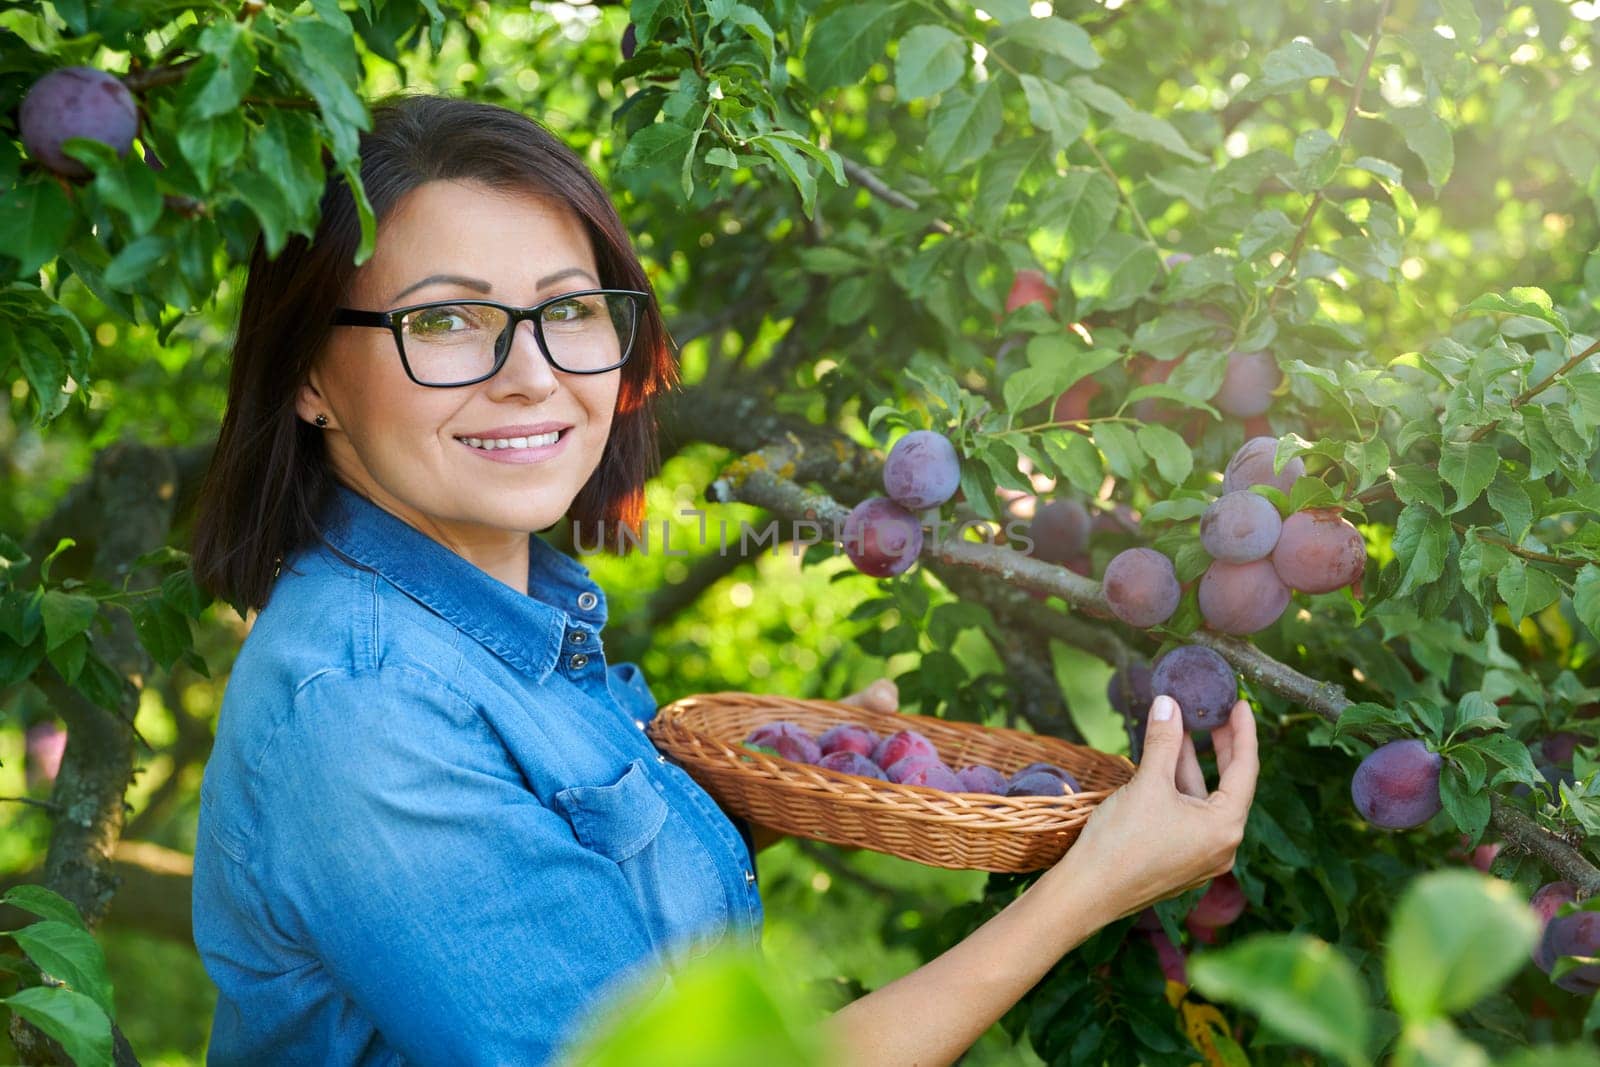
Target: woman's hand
[1161, 833]
[882, 695]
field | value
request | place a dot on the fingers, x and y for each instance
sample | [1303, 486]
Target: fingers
[1163, 740]
[1238, 779]
[1190, 780]
[881, 695]
[1222, 744]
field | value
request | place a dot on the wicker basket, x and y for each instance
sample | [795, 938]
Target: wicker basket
[966, 831]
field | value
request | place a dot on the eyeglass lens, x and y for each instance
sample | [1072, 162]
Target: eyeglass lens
[462, 342]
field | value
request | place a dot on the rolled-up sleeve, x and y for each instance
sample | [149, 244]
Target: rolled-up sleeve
[444, 899]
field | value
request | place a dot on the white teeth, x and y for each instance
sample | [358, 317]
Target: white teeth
[489, 444]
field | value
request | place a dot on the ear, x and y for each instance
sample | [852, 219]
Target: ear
[309, 402]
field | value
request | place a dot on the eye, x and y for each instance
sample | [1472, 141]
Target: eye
[434, 321]
[572, 309]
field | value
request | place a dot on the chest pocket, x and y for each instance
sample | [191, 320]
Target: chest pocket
[671, 873]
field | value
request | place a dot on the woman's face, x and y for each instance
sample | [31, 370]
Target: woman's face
[401, 444]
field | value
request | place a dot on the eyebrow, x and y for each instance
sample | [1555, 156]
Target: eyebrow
[482, 286]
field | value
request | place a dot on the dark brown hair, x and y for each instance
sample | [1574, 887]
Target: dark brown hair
[269, 477]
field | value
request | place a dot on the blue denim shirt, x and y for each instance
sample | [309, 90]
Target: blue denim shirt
[432, 829]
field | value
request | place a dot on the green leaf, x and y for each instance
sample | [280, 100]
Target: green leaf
[1468, 467]
[1526, 590]
[662, 144]
[1029, 386]
[1426, 135]
[71, 954]
[1089, 206]
[1117, 271]
[1462, 17]
[1266, 231]
[847, 41]
[1174, 459]
[1510, 499]
[1060, 38]
[1056, 112]
[1299, 986]
[35, 219]
[1362, 717]
[71, 1018]
[1417, 484]
[1586, 597]
[1121, 449]
[1468, 807]
[1158, 132]
[325, 64]
[1527, 301]
[45, 903]
[1288, 68]
[1457, 936]
[964, 126]
[65, 616]
[929, 60]
[1317, 155]
[219, 81]
[211, 147]
[1422, 540]
[130, 269]
[1075, 459]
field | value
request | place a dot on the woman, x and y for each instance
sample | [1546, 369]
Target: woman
[432, 829]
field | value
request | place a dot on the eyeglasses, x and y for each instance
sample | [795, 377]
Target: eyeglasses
[446, 343]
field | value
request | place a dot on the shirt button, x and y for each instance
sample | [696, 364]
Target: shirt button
[639, 723]
[579, 637]
[577, 662]
[660, 758]
[587, 600]
[749, 878]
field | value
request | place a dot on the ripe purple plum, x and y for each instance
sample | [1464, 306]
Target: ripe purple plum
[787, 739]
[1202, 683]
[1174, 964]
[1318, 551]
[1221, 904]
[897, 746]
[1576, 934]
[922, 471]
[981, 778]
[1060, 531]
[76, 102]
[630, 41]
[1252, 465]
[847, 762]
[1141, 586]
[1397, 785]
[1241, 598]
[1247, 384]
[1036, 784]
[1545, 903]
[881, 538]
[920, 770]
[1240, 527]
[1059, 773]
[847, 737]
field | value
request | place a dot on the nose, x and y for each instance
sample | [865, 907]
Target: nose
[525, 371]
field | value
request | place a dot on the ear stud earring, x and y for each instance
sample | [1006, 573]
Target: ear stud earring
[321, 420]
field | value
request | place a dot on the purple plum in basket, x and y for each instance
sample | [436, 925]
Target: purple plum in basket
[981, 778]
[846, 762]
[787, 740]
[1052, 770]
[848, 737]
[921, 770]
[1036, 784]
[897, 746]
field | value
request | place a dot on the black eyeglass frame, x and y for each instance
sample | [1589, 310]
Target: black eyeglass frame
[391, 320]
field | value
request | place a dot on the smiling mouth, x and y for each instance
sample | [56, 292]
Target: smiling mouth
[492, 444]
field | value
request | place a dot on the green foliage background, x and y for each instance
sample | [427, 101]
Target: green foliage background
[1421, 265]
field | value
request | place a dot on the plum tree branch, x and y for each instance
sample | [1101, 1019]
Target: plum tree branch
[1534, 390]
[766, 476]
[880, 189]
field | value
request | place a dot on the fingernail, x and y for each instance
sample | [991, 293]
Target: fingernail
[1163, 708]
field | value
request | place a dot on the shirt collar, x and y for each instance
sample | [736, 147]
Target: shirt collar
[527, 631]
